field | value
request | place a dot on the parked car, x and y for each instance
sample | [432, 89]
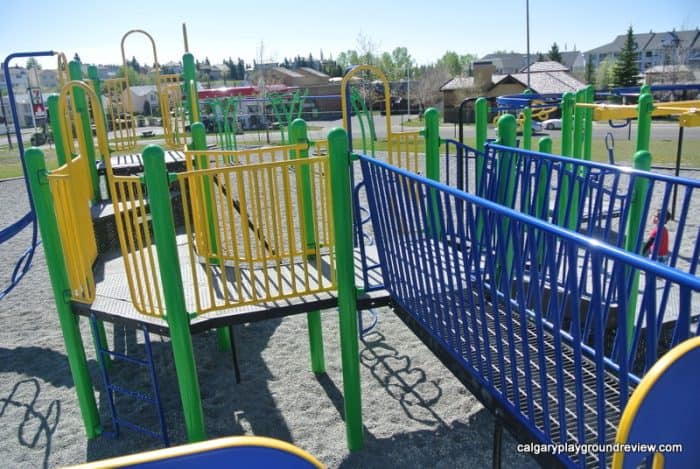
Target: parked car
[551, 124]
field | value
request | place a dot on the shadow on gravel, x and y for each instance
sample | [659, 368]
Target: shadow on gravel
[39, 421]
[47, 364]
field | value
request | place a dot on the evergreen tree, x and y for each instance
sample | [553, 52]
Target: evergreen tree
[135, 64]
[626, 70]
[554, 53]
[240, 75]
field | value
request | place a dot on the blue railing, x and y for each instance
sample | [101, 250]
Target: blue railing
[523, 305]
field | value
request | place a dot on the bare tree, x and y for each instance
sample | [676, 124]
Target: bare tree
[427, 88]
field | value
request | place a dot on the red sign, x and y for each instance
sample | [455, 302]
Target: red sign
[37, 102]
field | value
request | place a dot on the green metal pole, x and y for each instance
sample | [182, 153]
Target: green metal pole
[544, 145]
[481, 112]
[644, 110]
[507, 135]
[340, 160]
[579, 114]
[97, 88]
[298, 135]
[82, 108]
[635, 225]
[527, 128]
[52, 103]
[588, 126]
[568, 105]
[94, 77]
[189, 75]
[156, 176]
[56, 264]
[199, 142]
[432, 165]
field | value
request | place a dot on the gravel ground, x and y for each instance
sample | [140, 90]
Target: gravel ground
[416, 414]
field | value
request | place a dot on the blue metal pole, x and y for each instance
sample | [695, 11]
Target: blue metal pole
[20, 142]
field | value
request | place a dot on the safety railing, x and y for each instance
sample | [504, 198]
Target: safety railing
[136, 241]
[75, 229]
[258, 231]
[119, 117]
[407, 150]
[474, 275]
[173, 111]
[612, 204]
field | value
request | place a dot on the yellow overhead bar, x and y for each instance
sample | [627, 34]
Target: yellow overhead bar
[688, 111]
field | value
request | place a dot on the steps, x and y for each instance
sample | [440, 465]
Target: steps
[107, 359]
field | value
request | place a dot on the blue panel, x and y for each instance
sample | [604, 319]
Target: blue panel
[235, 456]
[520, 303]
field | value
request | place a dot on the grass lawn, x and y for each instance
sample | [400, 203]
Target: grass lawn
[663, 152]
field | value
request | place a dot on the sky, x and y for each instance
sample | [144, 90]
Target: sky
[273, 30]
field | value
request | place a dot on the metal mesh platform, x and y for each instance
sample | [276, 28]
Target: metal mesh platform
[113, 300]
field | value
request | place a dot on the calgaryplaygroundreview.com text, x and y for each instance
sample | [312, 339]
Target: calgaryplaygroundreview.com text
[594, 448]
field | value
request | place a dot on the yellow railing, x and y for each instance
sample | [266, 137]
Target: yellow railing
[404, 150]
[72, 135]
[136, 241]
[75, 228]
[173, 111]
[119, 115]
[248, 238]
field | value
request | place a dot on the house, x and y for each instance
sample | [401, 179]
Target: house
[316, 84]
[666, 48]
[671, 74]
[140, 95]
[544, 78]
[24, 110]
[514, 62]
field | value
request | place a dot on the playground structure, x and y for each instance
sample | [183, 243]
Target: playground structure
[267, 232]
[247, 451]
[23, 264]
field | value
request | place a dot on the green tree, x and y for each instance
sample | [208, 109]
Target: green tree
[604, 74]
[590, 72]
[454, 63]
[554, 53]
[626, 70]
[33, 63]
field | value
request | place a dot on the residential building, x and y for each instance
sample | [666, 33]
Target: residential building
[665, 48]
[142, 94]
[545, 78]
[24, 110]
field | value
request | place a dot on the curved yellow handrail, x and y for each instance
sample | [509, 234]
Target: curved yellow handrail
[62, 70]
[202, 447]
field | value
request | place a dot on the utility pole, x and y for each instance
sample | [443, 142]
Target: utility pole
[527, 21]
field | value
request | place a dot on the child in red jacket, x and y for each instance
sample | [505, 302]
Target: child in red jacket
[650, 243]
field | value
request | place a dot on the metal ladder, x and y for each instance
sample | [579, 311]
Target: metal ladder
[112, 389]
